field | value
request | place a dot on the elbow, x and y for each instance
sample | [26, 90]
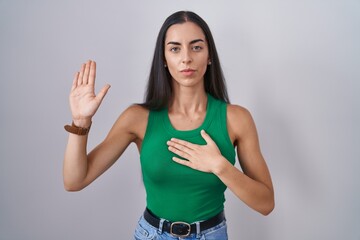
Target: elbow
[268, 207]
[268, 210]
[70, 187]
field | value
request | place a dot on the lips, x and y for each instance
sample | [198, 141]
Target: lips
[187, 72]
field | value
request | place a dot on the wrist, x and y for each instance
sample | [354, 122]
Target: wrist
[221, 167]
[82, 122]
[74, 129]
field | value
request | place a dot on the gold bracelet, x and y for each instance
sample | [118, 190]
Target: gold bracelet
[77, 130]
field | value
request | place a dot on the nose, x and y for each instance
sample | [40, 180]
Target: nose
[186, 57]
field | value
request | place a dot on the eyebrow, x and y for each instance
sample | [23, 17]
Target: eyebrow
[192, 42]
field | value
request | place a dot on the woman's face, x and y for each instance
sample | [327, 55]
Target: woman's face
[186, 54]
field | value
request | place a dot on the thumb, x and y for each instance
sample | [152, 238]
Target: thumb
[103, 92]
[206, 137]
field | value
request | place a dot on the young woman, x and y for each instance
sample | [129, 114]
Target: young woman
[187, 133]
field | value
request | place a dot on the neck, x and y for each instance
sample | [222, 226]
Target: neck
[188, 102]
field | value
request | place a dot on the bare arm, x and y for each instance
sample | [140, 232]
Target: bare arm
[80, 168]
[253, 186]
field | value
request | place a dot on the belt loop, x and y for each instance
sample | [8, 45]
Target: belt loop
[161, 223]
[198, 230]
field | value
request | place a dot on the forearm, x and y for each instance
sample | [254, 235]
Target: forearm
[253, 193]
[75, 162]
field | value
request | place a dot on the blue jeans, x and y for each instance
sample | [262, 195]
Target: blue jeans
[145, 231]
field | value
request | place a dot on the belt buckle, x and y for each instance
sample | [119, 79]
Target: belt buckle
[177, 229]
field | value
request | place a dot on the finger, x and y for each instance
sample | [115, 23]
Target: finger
[180, 152]
[92, 73]
[177, 142]
[81, 74]
[180, 147]
[182, 162]
[103, 92]
[206, 137]
[74, 84]
[86, 73]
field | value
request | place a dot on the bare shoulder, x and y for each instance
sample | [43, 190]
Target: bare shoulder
[236, 113]
[136, 113]
[132, 120]
[239, 121]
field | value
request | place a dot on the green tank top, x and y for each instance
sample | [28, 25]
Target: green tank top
[176, 192]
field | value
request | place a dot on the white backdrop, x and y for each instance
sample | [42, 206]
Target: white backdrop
[293, 64]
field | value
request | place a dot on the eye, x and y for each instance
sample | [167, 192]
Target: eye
[197, 48]
[174, 49]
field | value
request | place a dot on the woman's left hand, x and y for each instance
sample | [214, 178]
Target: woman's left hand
[205, 158]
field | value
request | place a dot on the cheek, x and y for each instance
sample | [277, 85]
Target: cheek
[203, 59]
[172, 71]
[172, 65]
[170, 61]
[204, 64]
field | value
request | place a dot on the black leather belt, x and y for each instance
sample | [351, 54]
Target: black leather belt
[182, 229]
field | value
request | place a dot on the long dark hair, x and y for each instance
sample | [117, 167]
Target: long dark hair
[159, 90]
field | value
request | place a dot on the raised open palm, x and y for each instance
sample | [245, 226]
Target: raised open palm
[83, 101]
